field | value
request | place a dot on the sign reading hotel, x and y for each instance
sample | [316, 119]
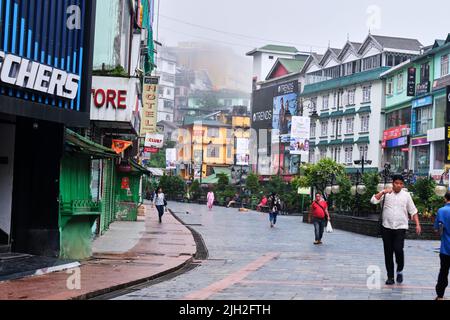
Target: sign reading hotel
[149, 105]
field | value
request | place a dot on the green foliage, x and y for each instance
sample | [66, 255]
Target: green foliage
[276, 184]
[252, 184]
[195, 190]
[118, 71]
[208, 100]
[158, 160]
[426, 201]
[223, 190]
[172, 185]
[319, 175]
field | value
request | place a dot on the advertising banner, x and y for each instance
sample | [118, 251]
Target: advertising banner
[285, 106]
[154, 141]
[120, 146]
[242, 152]
[300, 135]
[171, 158]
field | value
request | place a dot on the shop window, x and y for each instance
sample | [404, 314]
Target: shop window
[422, 160]
[440, 106]
[439, 155]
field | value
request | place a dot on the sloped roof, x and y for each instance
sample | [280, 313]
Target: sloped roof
[274, 48]
[344, 81]
[291, 66]
[398, 43]
[80, 144]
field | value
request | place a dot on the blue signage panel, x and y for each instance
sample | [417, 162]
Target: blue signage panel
[413, 122]
[46, 52]
[422, 102]
[397, 142]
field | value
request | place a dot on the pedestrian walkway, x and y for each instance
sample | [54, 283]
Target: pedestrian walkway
[130, 252]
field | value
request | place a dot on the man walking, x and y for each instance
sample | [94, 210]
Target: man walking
[442, 224]
[319, 209]
[275, 207]
[396, 205]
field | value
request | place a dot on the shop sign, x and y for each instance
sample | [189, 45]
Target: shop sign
[154, 140]
[419, 141]
[447, 109]
[149, 105]
[397, 132]
[423, 88]
[411, 82]
[422, 102]
[397, 142]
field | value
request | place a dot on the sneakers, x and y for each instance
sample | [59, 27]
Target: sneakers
[320, 242]
[390, 282]
[399, 277]
[439, 299]
[316, 242]
[271, 225]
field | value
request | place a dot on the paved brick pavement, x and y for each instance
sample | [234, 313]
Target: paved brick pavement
[129, 252]
[249, 260]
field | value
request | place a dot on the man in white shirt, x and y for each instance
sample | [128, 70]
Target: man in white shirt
[397, 205]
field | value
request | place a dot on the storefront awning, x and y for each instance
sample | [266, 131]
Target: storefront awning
[136, 167]
[363, 140]
[77, 143]
[366, 109]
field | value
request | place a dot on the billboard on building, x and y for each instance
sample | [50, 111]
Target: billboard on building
[300, 135]
[171, 159]
[154, 141]
[242, 152]
[46, 59]
[116, 99]
[149, 105]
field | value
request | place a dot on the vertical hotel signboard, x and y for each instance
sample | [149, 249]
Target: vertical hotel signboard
[46, 59]
[149, 105]
[447, 127]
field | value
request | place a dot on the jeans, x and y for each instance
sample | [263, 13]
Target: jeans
[273, 217]
[319, 227]
[160, 212]
[393, 241]
[443, 275]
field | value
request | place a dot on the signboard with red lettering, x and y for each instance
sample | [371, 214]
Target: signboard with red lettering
[114, 99]
[154, 140]
[395, 133]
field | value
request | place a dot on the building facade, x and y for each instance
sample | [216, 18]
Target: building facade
[345, 97]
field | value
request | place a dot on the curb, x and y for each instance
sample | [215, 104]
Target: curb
[123, 286]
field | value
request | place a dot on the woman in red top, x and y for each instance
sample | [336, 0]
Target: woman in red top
[319, 209]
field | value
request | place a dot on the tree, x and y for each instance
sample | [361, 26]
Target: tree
[319, 175]
[158, 160]
[172, 185]
[252, 183]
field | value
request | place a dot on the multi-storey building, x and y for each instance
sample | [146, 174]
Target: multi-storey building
[166, 71]
[345, 97]
[414, 136]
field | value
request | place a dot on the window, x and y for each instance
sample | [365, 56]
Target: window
[363, 151]
[366, 93]
[311, 156]
[333, 127]
[365, 123]
[213, 132]
[168, 104]
[336, 154]
[351, 97]
[371, 62]
[229, 149]
[325, 102]
[270, 57]
[350, 125]
[444, 65]
[341, 98]
[168, 117]
[424, 73]
[424, 120]
[229, 133]
[440, 106]
[314, 104]
[349, 155]
[313, 130]
[390, 87]
[324, 128]
[400, 83]
[323, 153]
[339, 127]
[213, 151]
[399, 117]
[439, 154]
[334, 99]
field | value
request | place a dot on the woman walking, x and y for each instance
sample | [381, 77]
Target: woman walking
[210, 198]
[160, 202]
[275, 207]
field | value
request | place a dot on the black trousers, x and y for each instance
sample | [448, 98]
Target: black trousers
[394, 242]
[443, 275]
[160, 212]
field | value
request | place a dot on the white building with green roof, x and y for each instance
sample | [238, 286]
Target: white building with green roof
[344, 95]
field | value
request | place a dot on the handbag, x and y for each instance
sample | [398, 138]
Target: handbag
[165, 203]
[329, 227]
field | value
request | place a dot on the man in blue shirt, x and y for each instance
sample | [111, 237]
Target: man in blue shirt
[442, 223]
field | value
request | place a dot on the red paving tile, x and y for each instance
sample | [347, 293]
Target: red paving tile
[171, 247]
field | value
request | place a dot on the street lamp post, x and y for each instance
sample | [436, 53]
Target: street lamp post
[360, 188]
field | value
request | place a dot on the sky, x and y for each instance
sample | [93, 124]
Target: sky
[307, 25]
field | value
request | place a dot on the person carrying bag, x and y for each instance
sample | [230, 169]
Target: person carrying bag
[319, 210]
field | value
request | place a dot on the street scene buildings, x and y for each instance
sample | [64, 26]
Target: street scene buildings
[126, 158]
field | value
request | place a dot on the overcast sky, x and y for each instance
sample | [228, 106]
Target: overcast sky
[246, 24]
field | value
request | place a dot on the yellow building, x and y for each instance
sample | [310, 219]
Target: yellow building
[209, 144]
